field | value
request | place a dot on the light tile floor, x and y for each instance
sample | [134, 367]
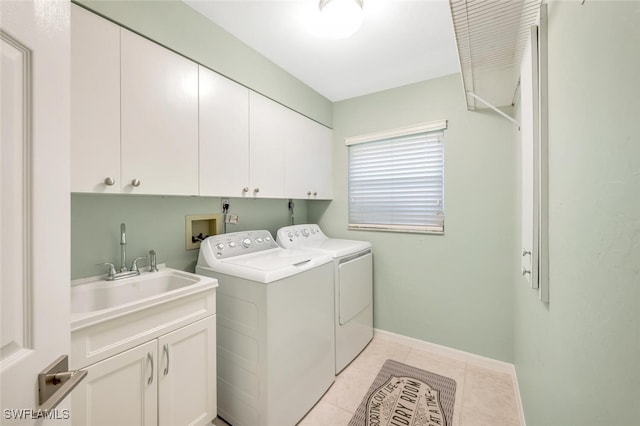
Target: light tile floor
[484, 397]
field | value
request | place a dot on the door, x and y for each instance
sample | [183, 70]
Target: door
[121, 390]
[35, 200]
[354, 286]
[308, 158]
[266, 147]
[95, 103]
[159, 121]
[187, 375]
[224, 135]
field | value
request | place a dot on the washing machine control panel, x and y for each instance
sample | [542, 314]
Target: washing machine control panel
[238, 243]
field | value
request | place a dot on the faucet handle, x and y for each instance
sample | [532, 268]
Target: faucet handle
[153, 267]
[112, 268]
[134, 263]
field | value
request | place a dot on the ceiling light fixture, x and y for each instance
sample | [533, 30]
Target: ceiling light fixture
[340, 18]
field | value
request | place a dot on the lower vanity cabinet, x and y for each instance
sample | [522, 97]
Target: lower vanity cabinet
[170, 380]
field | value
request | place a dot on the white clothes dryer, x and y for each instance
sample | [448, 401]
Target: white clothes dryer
[275, 338]
[353, 281]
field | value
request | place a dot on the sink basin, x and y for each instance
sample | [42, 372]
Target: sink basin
[95, 298]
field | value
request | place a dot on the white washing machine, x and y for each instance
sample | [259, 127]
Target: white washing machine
[275, 338]
[353, 280]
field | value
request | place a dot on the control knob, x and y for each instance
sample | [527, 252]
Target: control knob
[246, 243]
[220, 246]
[305, 232]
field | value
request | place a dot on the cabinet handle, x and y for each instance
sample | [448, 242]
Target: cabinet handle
[109, 181]
[256, 190]
[135, 182]
[165, 349]
[525, 252]
[150, 359]
[525, 271]
[315, 193]
[308, 193]
[245, 189]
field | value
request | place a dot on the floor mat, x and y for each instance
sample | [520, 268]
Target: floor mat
[402, 395]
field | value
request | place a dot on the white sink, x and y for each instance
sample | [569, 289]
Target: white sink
[95, 299]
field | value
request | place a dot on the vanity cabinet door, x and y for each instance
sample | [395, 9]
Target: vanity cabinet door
[95, 103]
[308, 164]
[266, 147]
[224, 135]
[159, 119]
[187, 375]
[121, 390]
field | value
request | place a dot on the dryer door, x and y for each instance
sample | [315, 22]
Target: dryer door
[355, 277]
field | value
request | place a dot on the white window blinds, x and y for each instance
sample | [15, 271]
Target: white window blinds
[396, 180]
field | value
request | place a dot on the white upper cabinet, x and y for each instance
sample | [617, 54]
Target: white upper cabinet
[95, 103]
[266, 147]
[159, 119]
[224, 136]
[146, 120]
[308, 153]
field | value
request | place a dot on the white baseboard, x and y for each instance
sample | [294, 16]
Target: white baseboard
[490, 363]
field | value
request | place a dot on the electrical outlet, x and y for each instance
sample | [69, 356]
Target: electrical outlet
[232, 219]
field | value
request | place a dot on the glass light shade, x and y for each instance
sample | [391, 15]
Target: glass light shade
[340, 18]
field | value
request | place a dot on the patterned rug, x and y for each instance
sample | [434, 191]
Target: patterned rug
[402, 395]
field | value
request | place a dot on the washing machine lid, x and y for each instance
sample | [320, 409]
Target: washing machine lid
[265, 265]
[270, 260]
[311, 237]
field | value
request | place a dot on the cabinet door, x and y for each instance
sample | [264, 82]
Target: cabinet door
[187, 375]
[298, 157]
[309, 174]
[159, 119]
[95, 103]
[224, 135]
[121, 390]
[266, 147]
[322, 152]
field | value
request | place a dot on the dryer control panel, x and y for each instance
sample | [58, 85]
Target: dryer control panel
[238, 243]
[295, 235]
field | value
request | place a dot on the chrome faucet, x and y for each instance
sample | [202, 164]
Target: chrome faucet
[123, 248]
[124, 271]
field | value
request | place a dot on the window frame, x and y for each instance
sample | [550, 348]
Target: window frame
[430, 127]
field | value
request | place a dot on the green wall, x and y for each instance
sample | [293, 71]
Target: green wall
[157, 223]
[180, 28]
[456, 289]
[577, 359]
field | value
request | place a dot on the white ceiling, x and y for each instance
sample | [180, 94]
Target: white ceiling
[400, 42]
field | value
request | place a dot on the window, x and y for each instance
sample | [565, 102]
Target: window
[396, 179]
